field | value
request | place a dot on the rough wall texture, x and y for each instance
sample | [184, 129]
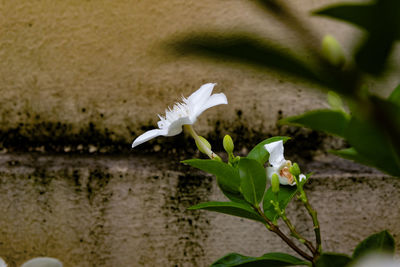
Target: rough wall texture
[92, 75]
[110, 211]
[97, 71]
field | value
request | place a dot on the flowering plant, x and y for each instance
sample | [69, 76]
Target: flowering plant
[244, 182]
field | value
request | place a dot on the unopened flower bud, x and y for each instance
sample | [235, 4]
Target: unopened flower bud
[295, 169]
[204, 144]
[275, 183]
[228, 144]
[332, 51]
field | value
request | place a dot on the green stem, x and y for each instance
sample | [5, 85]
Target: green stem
[317, 231]
[294, 233]
[274, 228]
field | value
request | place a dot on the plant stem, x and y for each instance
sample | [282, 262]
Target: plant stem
[317, 231]
[293, 231]
[274, 228]
[200, 143]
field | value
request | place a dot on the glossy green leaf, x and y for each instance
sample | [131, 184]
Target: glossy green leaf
[395, 96]
[372, 144]
[259, 153]
[231, 208]
[330, 121]
[333, 260]
[269, 259]
[226, 175]
[379, 242]
[286, 193]
[253, 180]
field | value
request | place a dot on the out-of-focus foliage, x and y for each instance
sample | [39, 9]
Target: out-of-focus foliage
[372, 127]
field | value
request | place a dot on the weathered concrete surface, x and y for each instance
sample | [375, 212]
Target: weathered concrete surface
[96, 73]
[132, 211]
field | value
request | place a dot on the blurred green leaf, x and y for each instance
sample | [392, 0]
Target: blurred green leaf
[372, 144]
[226, 175]
[249, 50]
[269, 259]
[259, 153]
[379, 242]
[253, 180]
[333, 260]
[286, 193]
[381, 22]
[357, 14]
[231, 208]
[395, 96]
[330, 121]
[351, 154]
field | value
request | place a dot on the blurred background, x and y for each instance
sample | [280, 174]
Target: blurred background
[80, 80]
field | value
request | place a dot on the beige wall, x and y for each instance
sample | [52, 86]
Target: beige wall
[132, 211]
[74, 62]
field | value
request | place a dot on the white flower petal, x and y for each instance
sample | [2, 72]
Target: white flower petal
[148, 135]
[43, 262]
[214, 100]
[285, 181]
[2, 263]
[302, 177]
[198, 98]
[275, 150]
[176, 127]
[270, 172]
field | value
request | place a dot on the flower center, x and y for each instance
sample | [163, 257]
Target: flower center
[284, 171]
[179, 110]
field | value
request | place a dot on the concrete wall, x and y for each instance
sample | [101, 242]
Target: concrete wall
[77, 70]
[89, 76]
[132, 211]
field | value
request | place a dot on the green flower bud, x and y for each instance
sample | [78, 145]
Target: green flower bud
[228, 144]
[332, 51]
[275, 183]
[204, 143]
[335, 101]
[295, 169]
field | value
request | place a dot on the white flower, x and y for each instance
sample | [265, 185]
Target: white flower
[38, 262]
[279, 164]
[377, 259]
[2, 263]
[43, 262]
[184, 113]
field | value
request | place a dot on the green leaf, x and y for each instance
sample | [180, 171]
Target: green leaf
[253, 180]
[330, 121]
[286, 193]
[231, 208]
[333, 260]
[269, 259]
[259, 153]
[372, 144]
[244, 48]
[357, 14]
[351, 154]
[379, 242]
[395, 96]
[380, 20]
[227, 175]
